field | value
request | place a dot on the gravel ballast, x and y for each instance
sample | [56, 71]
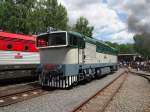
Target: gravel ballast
[61, 100]
[134, 96]
[103, 97]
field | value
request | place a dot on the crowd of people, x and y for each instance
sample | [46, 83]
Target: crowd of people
[138, 65]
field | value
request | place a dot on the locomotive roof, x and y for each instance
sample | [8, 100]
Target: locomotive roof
[92, 40]
[17, 36]
[86, 38]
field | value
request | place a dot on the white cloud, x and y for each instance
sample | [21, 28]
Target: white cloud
[122, 37]
[100, 15]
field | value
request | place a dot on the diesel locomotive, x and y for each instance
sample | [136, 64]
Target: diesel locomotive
[19, 57]
[69, 57]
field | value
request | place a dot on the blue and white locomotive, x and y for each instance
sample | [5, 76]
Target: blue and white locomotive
[69, 57]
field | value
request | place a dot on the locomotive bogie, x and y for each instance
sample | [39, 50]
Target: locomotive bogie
[66, 78]
[58, 81]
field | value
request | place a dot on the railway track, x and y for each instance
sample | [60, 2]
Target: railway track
[25, 92]
[145, 75]
[91, 104]
[20, 93]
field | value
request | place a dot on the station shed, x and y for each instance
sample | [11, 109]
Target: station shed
[129, 58]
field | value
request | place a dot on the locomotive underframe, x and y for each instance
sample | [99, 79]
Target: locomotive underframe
[63, 79]
[18, 71]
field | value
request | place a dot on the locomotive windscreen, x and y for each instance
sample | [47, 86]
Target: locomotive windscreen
[53, 39]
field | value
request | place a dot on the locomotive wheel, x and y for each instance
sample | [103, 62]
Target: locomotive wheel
[75, 83]
[89, 78]
[69, 87]
[98, 73]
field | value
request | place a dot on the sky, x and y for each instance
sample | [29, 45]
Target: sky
[108, 17]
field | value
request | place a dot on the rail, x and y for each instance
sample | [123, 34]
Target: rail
[142, 74]
[23, 93]
[79, 107]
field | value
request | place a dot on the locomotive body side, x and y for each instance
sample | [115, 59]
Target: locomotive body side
[18, 57]
[68, 58]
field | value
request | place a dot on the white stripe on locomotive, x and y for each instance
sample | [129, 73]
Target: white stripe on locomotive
[8, 57]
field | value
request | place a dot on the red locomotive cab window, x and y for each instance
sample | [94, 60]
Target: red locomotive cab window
[9, 46]
[26, 48]
[42, 43]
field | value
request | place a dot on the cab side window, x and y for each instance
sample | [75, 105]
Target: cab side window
[75, 41]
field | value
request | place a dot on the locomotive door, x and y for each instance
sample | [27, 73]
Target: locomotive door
[90, 53]
[81, 53]
[81, 56]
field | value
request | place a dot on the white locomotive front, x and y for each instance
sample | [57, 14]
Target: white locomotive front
[69, 57]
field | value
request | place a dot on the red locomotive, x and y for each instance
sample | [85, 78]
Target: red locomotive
[18, 56]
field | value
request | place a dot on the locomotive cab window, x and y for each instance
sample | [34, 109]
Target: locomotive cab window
[56, 39]
[53, 39]
[42, 41]
[75, 41]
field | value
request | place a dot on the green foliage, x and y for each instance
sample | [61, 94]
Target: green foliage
[56, 15]
[82, 26]
[123, 48]
[35, 16]
[13, 16]
[32, 16]
[142, 44]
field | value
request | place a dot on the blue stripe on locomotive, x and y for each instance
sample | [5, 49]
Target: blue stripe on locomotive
[73, 69]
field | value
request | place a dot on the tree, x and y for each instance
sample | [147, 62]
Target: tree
[126, 48]
[55, 15]
[142, 43]
[32, 16]
[14, 14]
[48, 13]
[82, 26]
[123, 48]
